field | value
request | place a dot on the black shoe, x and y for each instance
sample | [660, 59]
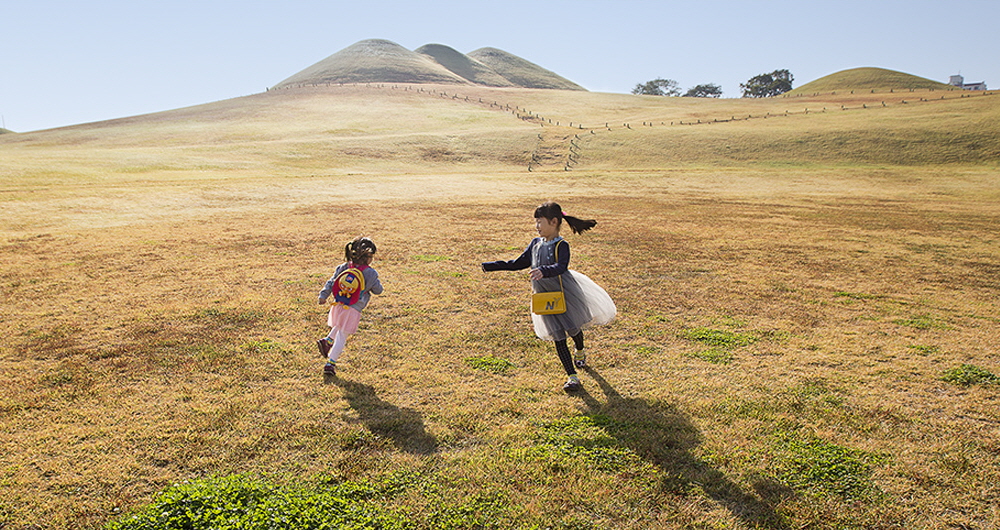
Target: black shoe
[330, 369]
[324, 347]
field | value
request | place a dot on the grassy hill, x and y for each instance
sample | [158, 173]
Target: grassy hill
[382, 61]
[869, 78]
[464, 66]
[373, 61]
[806, 290]
[521, 72]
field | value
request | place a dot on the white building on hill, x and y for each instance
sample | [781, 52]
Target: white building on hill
[959, 81]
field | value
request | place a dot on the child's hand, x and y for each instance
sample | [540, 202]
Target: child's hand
[322, 301]
[535, 274]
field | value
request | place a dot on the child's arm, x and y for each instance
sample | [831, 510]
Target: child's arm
[522, 262]
[373, 282]
[327, 291]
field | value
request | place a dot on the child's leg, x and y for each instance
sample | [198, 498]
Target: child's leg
[339, 339]
[564, 357]
[580, 357]
[567, 361]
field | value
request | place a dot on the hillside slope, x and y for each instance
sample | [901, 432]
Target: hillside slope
[435, 128]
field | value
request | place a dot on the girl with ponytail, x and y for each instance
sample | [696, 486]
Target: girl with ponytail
[352, 285]
[586, 303]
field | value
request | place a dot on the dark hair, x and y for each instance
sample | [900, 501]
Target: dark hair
[551, 210]
[360, 251]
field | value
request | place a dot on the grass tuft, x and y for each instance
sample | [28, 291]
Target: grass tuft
[713, 355]
[968, 375]
[721, 343]
[922, 321]
[489, 363]
[719, 338]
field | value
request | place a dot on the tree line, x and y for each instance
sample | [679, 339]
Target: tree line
[759, 86]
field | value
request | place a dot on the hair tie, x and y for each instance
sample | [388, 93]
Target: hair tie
[563, 214]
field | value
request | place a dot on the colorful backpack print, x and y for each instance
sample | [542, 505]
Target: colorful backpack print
[348, 285]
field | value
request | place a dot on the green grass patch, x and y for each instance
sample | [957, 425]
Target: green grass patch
[582, 442]
[713, 355]
[809, 463]
[720, 342]
[245, 502]
[489, 363]
[968, 375]
[248, 502]
[923, 350]
[647, 350]
[719, 338]
[262, 346]
[658, 318]
[922, 321]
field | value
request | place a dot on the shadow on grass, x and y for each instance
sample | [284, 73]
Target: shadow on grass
[664, 436]
[403, 427]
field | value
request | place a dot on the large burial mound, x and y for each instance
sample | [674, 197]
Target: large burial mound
[374, 61]
[463, 66]
[382, 61]
[521, 72]
[868, 78]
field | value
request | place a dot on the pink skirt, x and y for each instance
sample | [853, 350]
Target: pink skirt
[343, 318]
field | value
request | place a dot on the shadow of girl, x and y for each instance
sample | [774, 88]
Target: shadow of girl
[664, 436]
[403, 427]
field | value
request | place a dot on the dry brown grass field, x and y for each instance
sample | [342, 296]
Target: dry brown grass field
[807, 305]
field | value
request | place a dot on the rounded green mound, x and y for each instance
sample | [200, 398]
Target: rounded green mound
[868, 78]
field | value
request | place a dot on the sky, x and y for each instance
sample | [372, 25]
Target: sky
[69, 62]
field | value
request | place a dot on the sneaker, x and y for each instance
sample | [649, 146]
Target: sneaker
[580, 358]
[572, 385]
[330, 369]
[324, 347]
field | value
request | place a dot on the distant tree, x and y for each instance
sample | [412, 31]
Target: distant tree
[767, 85]
[657, 87]
[710, 90]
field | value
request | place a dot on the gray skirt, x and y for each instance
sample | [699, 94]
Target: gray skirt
[587, 304]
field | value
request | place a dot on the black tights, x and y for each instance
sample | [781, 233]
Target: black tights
[563, 350]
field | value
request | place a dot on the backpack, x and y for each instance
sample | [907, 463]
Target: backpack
[348, 285]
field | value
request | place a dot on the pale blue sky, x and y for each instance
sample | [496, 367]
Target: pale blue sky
[68, 62]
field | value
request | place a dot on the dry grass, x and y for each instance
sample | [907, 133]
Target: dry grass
[175, 342]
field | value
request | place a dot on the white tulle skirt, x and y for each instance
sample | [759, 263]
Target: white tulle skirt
[587, 304]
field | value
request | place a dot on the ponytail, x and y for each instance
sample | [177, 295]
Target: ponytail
[551, 210]
[360, 251]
